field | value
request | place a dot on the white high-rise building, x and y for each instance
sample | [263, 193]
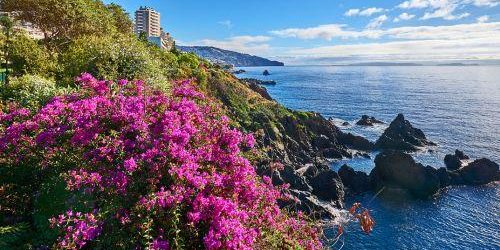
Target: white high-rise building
[147, 20]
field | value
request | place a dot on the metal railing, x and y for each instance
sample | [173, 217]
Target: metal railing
[3, 76]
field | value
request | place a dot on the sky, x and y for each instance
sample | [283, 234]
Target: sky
[329, 31]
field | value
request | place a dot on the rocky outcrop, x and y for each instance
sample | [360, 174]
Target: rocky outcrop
[461, 155]
[355, 142]
[310, 204]
[239, 71]
[258, 82]
[315, 188]
[454, 162]
[479, 172]
[398, 170]
[328, 186]
[262, 91]
[401, 135]
[368, 121]
[266, 73]
[355, 182]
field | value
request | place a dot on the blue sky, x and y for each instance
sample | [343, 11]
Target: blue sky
[336, 31]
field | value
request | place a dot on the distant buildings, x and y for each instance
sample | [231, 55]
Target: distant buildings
[147, 22]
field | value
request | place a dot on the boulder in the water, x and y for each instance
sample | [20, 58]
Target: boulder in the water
[478, 172]
[259, 82]
[355, 142]
[328, 186]
[368, 121]
[455, 162]
[239, 71]
[266, 72]
[461, 155]
[262, 91]
[452, 162]
[398, 170]
[401, 135]
[355, 182]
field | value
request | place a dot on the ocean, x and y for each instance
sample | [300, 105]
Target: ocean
[458, 107]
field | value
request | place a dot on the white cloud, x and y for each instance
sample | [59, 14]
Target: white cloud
[462, 41]
[482, 48]
[486, 3]
[450, 32]
[365, 12]
[352, 12]
[483, 19]
[326, 32]
[414, 4]
[226, 23]
[444, 8]
[403, 16]
[375, 23]
[256, 45]
[445, 12]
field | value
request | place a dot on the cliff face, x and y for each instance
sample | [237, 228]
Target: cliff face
[301, 141]
[236, 59]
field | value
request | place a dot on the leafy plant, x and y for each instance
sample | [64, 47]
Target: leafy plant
[146, 170]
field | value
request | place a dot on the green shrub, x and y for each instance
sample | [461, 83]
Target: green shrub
[31, 91]
[116, 57]
[28, 57]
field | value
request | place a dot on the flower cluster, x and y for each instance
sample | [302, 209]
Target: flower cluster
[166, 169]
[80, 228]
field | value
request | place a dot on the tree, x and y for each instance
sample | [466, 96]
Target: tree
[63, 20]
[26, 56]
[121, 18]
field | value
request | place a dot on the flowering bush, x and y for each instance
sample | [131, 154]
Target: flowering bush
[151, 171]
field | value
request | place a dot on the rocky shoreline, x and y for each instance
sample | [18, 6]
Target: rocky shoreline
[320, 190]
[305, 143]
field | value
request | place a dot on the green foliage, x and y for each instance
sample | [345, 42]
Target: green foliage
[113, 57]
[31, 91]
[28, 57]
[121, 19]
[9, 235]
[63, 20]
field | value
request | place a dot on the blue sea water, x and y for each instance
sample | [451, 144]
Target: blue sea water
[458, 107]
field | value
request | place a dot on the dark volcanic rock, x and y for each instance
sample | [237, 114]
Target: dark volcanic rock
[257, 81]
[355, 142]
[452, 162]
[444, 177]
[354, 181]
[311, 204]
[266, 73]
[401, 135]
[240, 71]
[335, 153]
[368, 121]
[260, 90]
[327, 185]
[399, 170]
[461, 155]
[346, 124]
[481, 171]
